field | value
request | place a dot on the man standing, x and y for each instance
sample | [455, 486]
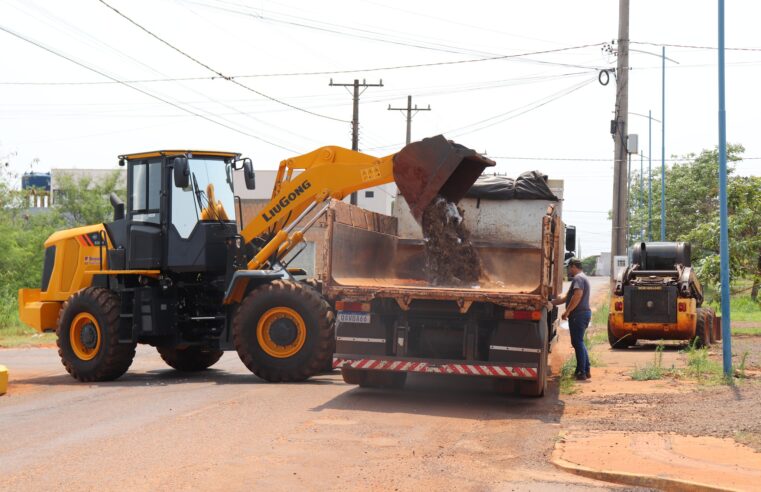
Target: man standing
[578, 314]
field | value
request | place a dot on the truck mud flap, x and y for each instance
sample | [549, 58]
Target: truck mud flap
[461, 368]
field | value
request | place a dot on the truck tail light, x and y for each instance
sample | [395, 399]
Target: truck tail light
[618, 305]
[682, 307]
[525, 315]
[363, 307]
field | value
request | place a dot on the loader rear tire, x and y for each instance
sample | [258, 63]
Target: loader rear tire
[190, 359]
[88, 336]
[283, 331]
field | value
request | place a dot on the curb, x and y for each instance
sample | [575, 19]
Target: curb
[3, 380]
[625, 478]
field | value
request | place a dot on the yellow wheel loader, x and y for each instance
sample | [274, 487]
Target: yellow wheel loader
[174, 271]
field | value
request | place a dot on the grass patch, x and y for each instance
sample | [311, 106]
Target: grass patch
[600, 315]
[567, 376]
[19, 335]
[701, 367]
[741, 308]
[746, 330]
[654, 370]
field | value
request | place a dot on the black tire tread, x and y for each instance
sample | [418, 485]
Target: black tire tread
[190, 359]
[315, 303]
[117, 356]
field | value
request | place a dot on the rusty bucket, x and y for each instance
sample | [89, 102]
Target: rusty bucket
[436, 166]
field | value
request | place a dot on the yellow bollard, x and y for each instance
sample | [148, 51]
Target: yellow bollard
[3, 380]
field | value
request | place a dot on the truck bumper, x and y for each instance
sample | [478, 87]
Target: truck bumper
[428, 366]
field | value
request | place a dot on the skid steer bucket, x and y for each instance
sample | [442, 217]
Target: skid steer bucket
[436, 166]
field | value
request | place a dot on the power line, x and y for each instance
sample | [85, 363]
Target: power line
[220, 74]
[326, 72]
[594, 159]
[153, 96]
[690, 46]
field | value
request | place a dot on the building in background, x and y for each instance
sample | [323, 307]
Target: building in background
[94, 175]
[603, 265]
[38, 186]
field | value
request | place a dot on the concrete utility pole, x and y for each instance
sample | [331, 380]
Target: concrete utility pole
[619, 128]
[355, 115]
[410, 114]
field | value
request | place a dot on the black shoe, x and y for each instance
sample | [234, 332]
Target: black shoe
[589, 375]
[581, 376]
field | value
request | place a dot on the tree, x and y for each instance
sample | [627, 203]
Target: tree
[692, 214]
[85, 201]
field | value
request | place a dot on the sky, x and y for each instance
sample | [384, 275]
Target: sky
[81, 84]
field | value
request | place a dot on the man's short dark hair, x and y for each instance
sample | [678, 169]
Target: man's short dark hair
[575, 262]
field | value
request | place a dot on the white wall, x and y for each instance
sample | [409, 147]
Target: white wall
[380, 202]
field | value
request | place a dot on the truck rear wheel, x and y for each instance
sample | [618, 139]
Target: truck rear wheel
[190, 359]
[283, 331]
[88, 336]
[620, 343]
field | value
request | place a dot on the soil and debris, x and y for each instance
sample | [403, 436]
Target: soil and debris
[451, 259]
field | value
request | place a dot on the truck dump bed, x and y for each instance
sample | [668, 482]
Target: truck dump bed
[367, 259]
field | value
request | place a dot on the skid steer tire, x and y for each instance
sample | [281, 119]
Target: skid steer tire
[702, 333]
[283, 331]
[190, 359]
[88, 336]
[620, 343]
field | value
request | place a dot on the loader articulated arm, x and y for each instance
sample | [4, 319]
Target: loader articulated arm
[422, 170]
[328, 172]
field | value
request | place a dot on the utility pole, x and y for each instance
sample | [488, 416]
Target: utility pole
[663, 143]
[619, 128]
[726, 331]
[650, 176]
[355, 115]
[410, 114]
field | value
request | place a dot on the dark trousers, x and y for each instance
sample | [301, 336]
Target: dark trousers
[577, 325]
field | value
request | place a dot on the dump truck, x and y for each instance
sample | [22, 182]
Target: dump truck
[392, 321]
[659, 297]
[174, 270]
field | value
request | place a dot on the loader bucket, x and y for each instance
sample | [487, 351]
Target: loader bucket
[436, 166]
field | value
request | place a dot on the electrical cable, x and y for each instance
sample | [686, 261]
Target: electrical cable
[220, 74]
[153, 96]
[689, 46]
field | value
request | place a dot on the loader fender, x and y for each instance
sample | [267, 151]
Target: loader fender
[245, 280]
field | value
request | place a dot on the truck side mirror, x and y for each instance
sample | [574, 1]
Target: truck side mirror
[181, 172]
[248, 174]
[570, 238]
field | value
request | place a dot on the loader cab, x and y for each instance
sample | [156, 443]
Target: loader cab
[176, 220]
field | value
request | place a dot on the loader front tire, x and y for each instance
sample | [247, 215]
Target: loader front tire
[283, 331]
[702, 330]
[190, 359]
[88, 336]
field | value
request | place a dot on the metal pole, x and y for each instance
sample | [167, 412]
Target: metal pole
[641, 193]
[650, 176]
[726, 333]
[663, 143]
[619, 128]
[409, 119]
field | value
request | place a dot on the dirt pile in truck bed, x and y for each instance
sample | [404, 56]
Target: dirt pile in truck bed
[451, 259]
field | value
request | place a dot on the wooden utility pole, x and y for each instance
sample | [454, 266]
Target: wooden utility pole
[410, 114]
[355, 115]
[619, 129]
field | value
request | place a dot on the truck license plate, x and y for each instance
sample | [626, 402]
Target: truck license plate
[351, 317]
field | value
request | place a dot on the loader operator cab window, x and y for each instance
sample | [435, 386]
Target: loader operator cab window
[146, 192]
[208, 197]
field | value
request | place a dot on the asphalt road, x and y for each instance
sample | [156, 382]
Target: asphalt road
[225, 429]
